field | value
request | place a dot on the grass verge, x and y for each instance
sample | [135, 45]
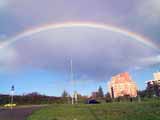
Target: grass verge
[111, 111]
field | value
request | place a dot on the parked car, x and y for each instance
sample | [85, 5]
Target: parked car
[93, 101]
[10, 105]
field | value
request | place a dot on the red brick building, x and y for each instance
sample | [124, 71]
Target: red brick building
[94, 95]
[121, 85]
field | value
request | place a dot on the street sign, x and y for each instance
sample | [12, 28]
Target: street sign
[12, 88]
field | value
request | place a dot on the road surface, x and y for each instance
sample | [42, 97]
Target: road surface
[18, 113]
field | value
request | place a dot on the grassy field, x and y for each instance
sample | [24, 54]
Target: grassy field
[111, 111]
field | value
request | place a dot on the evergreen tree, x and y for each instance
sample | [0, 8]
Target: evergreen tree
[64, 94]
[100, 92]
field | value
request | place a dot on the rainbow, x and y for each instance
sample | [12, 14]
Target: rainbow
[107, 27]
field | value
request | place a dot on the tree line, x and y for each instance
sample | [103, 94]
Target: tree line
[36, 98]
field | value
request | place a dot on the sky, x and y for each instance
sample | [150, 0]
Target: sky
[103, 38]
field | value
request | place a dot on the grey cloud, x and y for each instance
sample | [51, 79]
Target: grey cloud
[136, 15]
[150, 10]
[152, 60]
[8, 57]
[3, 4]
[97, 54]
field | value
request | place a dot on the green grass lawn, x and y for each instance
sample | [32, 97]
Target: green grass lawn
[111, 111]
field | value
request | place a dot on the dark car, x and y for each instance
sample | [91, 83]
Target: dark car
[93, 101]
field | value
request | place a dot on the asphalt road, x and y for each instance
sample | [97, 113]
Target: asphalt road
[18, 113]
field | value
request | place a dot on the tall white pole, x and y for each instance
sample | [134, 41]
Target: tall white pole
[72, 80]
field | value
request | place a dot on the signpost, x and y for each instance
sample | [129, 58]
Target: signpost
[12, 94]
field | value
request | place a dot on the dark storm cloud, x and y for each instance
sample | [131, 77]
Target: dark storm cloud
[96, 53]
[135, 15]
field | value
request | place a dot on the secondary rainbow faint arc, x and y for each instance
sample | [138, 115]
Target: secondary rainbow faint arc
[107, 27]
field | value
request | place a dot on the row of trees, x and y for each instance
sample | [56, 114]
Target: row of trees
[31, 98]
[149, 92]
[36, 98]
[100, 93]
[100, 96]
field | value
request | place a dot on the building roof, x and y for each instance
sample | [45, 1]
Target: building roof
[121, 78]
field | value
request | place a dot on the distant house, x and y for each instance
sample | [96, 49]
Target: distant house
[94, 95]
[122, 85]
[153, 86]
